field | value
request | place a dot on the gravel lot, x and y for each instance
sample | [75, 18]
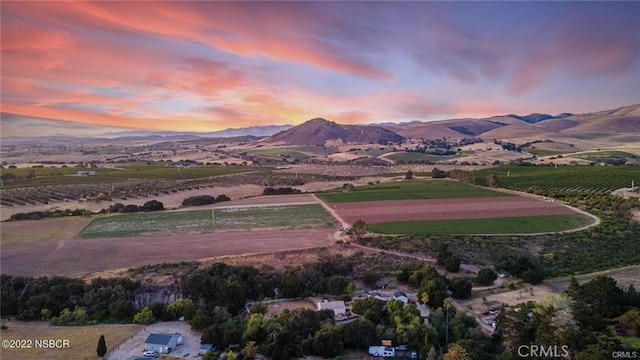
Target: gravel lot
[135, 346]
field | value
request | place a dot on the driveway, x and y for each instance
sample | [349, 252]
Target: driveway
[135, 345]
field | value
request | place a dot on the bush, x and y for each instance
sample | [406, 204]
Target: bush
[222, 197]
[486, 276]
[144, 317]
[460, 288]
[198, 200]
[280, 191]
[452, 263]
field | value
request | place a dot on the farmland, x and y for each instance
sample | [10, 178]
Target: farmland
[501, 225]
[549, 180]
[293, 216]
[407, 190]
[137, 224]
[231, 218]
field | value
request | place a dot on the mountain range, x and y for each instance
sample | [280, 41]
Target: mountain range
[616, 126]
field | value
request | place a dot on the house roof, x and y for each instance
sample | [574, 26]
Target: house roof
[331, 305]
[159, 339]
[398, 294]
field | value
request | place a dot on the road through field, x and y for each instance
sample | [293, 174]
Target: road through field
[78, 257]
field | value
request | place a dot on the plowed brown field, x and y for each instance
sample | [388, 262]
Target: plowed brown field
[438, 209]
[78, 257]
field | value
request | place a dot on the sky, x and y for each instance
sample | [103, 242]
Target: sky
[206, 66]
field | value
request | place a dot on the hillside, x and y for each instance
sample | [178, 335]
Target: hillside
[320, 131]
[610, 127]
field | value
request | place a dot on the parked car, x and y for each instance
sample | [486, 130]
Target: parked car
[150, 353]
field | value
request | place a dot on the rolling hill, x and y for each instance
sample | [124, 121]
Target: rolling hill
[320, 131]
[621, 125]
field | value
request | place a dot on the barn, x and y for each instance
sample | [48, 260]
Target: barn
[162, 343]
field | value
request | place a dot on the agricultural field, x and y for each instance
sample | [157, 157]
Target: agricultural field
[291, 217]
[127, 225]
[82, 339]
[448, 207]
[548, 180]
[280, 153]
[501, 225]
[410, 190]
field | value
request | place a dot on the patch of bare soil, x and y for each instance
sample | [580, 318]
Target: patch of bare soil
[80, 257]
[436, 209]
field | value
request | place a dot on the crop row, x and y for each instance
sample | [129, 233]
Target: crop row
[598, 179]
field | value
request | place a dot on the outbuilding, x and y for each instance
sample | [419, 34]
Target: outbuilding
[162, 343]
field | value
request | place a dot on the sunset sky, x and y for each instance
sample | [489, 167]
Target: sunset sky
[206, 66]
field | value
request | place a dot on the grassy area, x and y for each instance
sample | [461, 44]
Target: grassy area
[416, 156]
[543, 152]
[406, 190]
[506, 225]
[630, 340]
[293, 216]
[280, 152]
[141, 223]
[83, 340]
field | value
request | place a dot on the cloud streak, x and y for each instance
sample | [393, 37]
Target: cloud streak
[211, 65]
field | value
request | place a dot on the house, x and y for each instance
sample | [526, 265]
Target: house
[339, 308]
[162, 343]
[378, 295]
[425, 312]
[205, 348]
[382, 351]
[401, 296]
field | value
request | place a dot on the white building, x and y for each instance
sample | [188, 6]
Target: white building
[339, 308]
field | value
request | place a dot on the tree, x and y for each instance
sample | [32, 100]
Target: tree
[456, 352]
[358, 229]
[486, 276]
[153, 205]
[144, 317]
[409, 175]
[492, 180]
[460, 288]
[328, 341]
[631, 319]
[102, 346]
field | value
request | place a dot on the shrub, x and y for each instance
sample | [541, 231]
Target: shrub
[198, 200]
[486, 276]
[222, 197]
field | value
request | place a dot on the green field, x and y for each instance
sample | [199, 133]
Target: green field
[407, 190]
[542, 152]
[563, 179]
[280, 152]
[505, 225]
[145, 223]
[292, 216]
